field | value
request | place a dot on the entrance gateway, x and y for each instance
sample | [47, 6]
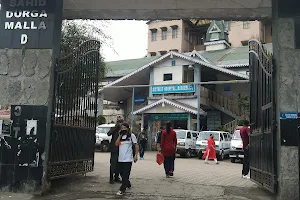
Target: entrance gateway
[46, 42]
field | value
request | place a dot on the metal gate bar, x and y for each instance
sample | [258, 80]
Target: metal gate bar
[75, 111]
[263, 161]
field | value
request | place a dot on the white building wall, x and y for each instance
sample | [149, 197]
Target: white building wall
[215, 47]
[166, 67]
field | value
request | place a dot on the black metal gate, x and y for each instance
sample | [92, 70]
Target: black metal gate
[263, 149]
[74, 115]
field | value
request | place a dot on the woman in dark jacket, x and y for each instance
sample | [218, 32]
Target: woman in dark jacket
[168, 147]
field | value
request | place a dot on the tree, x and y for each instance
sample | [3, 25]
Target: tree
[75, 86]
[243, 104]
[76, 32]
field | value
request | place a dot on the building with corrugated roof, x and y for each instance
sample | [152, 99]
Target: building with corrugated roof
[171, 94]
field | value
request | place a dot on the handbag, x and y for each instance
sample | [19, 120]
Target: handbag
[160, 158]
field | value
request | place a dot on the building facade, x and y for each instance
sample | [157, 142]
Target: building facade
[188, 35]
[165, 89]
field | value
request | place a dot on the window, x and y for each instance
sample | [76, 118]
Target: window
[246, 25]
[195, 135]
[214, 36]
[168, 77]
[173, 62]
[153, 36]
[199, 40]
[164, 34]
[221, 137]
[188, 135]
[226, 136]
[174, 32]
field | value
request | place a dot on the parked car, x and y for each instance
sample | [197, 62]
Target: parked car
[236, 147]
[222, 140]
[102, 139]
[186, 142]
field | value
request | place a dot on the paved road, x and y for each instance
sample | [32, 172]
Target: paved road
[193, 180]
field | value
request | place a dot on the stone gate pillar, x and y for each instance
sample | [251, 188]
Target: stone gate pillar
[30, 32]
[287, 66]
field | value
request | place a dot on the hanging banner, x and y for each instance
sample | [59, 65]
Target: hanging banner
[27, 23]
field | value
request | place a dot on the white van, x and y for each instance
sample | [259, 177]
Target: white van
[102, 139]
[186, 142]
[222, 140]
[236, 147]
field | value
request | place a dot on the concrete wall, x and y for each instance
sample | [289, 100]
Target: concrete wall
[25, 76]
[215, 47]
[243, 88]
[237, 33]
[287, 79]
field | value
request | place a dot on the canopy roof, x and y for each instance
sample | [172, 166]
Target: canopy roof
[141, 76]
[174, 103]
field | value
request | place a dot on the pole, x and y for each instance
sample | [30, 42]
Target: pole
[132, 109]
[197, 78]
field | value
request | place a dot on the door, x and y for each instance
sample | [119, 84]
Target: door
[226, 143]
[195, 135]
[262, 117]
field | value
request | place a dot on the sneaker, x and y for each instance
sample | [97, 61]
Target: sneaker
[111, 182]
[217, 163]
[128, 188]
[168, 176]
[171, 173]
[120, 193]
[245, 177]
[206, 162]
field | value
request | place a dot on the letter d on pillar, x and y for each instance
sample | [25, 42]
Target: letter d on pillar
[24, 39]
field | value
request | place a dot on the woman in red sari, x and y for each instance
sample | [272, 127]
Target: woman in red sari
[168, 147]
[210, 152]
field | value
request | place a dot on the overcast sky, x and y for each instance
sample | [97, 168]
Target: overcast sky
[129, 40]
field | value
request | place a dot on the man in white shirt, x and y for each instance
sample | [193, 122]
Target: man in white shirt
[128, 152]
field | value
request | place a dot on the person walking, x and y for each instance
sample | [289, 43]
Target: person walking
[114, 152]
[168, 147]
[158, 139]
[128, 149]
[142, 141]
[245, 135]
[210, 152]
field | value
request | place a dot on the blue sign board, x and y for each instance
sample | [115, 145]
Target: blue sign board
[139, 100]
[167, 89]
[288, 115]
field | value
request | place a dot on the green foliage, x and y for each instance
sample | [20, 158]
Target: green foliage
[221, 128]
[74, 33]
[101, 119]
[241, 122]
[244, 104]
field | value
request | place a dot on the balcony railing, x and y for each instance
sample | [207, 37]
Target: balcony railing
[225, 103]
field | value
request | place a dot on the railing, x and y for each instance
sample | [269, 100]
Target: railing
[231, 125]
[224, 102]
[227, 104]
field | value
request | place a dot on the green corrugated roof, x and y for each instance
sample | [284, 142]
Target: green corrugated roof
[123, 67]
[231, 56]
